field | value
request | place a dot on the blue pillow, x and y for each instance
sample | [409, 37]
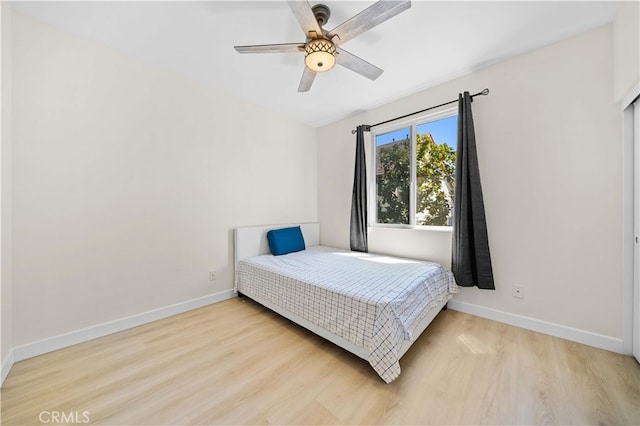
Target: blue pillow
[285, 240]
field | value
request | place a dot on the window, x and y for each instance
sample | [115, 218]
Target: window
[415, 171]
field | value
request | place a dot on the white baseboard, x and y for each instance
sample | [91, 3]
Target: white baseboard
[6, 366]
[83, 335]
[569, 333]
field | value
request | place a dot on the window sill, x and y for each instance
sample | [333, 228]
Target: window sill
[448, 229]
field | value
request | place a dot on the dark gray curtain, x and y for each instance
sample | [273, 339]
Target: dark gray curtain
[470, 259]
[359, 197]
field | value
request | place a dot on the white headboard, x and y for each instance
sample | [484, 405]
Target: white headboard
[252, 240]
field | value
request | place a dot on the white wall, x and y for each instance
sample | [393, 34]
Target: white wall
[548, 140]
[128, 181]
[626, 49]
[6, 310]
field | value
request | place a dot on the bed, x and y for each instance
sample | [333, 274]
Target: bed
[371, 305]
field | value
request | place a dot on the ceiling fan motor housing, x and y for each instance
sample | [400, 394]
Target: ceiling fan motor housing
[322, 13]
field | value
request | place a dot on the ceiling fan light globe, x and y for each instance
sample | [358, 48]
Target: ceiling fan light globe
[320, 61]
[320, 55]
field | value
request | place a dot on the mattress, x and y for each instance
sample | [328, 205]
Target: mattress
[376, 302]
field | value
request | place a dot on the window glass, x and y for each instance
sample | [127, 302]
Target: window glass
[393, 176]
[435, 171]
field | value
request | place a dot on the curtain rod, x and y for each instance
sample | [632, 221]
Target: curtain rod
[368, 128]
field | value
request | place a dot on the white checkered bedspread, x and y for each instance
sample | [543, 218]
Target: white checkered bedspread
[373, 301]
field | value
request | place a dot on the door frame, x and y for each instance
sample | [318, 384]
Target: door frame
[636, 248]
[630, 223]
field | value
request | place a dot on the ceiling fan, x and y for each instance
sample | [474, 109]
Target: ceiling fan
[321, 47]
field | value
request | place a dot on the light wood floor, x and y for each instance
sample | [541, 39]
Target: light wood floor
[237, 363]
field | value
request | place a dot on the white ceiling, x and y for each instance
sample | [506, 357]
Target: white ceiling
[430, 43]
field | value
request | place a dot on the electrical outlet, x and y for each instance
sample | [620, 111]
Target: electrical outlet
[517, 292]
[212, 275]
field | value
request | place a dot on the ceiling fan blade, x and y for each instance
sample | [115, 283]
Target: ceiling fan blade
[374, 15]
[306, 18]
[271, 48]
[307, 80]
[362, 67]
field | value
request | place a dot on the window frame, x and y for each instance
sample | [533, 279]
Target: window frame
[411, 123]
